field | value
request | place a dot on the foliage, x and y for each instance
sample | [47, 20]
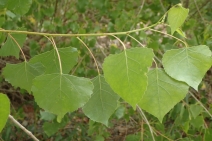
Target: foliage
[57, 54]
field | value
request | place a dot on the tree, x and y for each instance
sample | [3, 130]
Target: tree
[151, 63]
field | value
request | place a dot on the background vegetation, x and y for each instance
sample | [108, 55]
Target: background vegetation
[103, 16]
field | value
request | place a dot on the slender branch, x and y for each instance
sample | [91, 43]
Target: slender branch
[170, 36]
[135, 40]
[156, 65]
[142, 130]
[195, 3]
[55, 47]
[137, 14]
[120, 41]
[77, 35]
[161, 3]
[55, 8]
[97, 67]
[163, 135]
[59, 59]
[150, 128]
[23, 128]
[18, 46]
[201, 104]
[78, 64]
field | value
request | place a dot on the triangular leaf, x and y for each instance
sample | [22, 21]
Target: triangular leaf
[50, 128]
[61, 93]
[47, 116]
[22, 74]
[188, 64]
[162, 94]
[102, 103]
[19, 7]
[176, 17]
[49, 59]
[4, 110]
[126, 73]
[195, 110]
[10, 48]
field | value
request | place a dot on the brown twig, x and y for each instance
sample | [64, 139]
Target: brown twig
[23, 128]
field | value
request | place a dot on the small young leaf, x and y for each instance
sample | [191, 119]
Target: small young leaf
[61, 93]
[19, 7]
[195, 110]
[53, 127]
[162, 94]
[126, 73]
[47, 116]
[102, 103]
[197, 122]
[49, 59]
[208, 134]
[176, 17]
[188, 64]
[22, 74]
[10, 48]
[4, 110]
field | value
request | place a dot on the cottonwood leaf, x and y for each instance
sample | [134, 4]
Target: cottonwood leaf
[10, 48]
[102, 103]
[19, 7]
[50, 128]
[49, 59]
[126, 73]
[188, 64]
[44, 115]
[176, 17]
[61, 93]
[195, 110]
[162, 94]
[22, 74]
[4, 110]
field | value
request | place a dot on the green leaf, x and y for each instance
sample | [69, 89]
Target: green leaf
[22, 74]
[188, 64]
[10, 48]
[49, 59]
[132, 137]
[176, 17]
[120, 112]
[162, 94]
[208, 135]
[126, 73]
[102, 103]
[4, 110]
[197, 122]
[47, 116]
[185, 126]
[19, 7]
[179, 31]
[61, 93]
[195, 110]
[51, 128]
